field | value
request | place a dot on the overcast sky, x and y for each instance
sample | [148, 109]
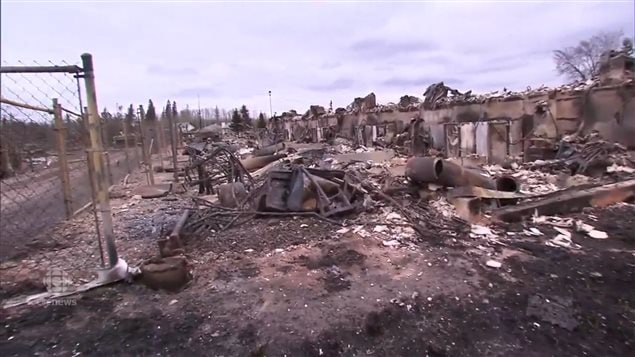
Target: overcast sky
[305, 53]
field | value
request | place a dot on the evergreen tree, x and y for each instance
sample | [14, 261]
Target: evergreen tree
[216, 114]
[105, 115]
[244, 114]
[142, 113]
[168, 110]
[237, 121]
[261, 123]
[151, 114]
[130, 116]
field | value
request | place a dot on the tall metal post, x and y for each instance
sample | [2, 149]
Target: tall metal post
[200, 118]
[270, 106]
[124, 130]
[160, 143]
[93, 187]
[173, 137]
[97, 151]
[60, 131]
[144, 153]
[126, 145]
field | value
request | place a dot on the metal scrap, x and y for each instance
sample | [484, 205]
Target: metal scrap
[588, 154]
[209, 169]
[569, 201]
[446, 173]
[583, 154]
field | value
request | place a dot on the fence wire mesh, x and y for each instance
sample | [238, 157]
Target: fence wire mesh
[31, 169]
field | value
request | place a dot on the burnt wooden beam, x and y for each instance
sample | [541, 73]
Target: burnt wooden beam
[569, 201]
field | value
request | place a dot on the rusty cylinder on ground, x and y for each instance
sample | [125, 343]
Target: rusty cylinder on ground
[446, 173]
[507, 184]
[254, 163]
[268, 150]
[455, 175]
[424, 169]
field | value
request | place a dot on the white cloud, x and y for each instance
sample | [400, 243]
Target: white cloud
[305, 53]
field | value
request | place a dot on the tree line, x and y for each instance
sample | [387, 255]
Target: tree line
[239, 119]
[242, 121]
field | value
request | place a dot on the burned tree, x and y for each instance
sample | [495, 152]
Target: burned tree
[582, 62]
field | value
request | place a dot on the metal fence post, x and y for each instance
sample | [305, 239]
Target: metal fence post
[150, 167]
[160, 142]
[144, 152]
[173, 137]
[60, 135]
[93, 191]
[108, 168]
[97, 149]
[126, 146]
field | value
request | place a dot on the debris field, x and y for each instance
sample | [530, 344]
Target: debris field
[330, 249]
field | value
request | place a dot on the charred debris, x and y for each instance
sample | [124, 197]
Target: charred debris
[376, 189]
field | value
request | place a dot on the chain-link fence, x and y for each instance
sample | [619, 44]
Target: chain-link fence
[36, 161]
[45, 169]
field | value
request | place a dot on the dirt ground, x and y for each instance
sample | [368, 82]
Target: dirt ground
[296, 287]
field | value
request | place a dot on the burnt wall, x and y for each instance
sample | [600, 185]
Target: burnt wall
[610, 110]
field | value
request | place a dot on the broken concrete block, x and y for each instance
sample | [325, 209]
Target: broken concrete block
[380, 228]
[153, 191]
[597, 234]
[494, 264]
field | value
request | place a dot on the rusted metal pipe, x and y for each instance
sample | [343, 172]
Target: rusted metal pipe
[268, 150]
[455, 175]
[446, 173]
[254, 163]
[98, 162]
[507, 184]
[424, 169]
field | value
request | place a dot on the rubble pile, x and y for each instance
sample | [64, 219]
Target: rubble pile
[364, 104]
[584, 154]
[439, 94]
[407, 103]
[342, 184]
[588, 155]
[378, 192]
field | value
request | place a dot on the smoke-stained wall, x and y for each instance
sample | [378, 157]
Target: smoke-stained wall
[609, 110]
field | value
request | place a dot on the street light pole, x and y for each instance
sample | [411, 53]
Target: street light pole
[200, 118]
[270, 107]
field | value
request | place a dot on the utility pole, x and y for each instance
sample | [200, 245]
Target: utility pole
[200, 118]
[146, 157]
[270, 106]
[124, 131]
